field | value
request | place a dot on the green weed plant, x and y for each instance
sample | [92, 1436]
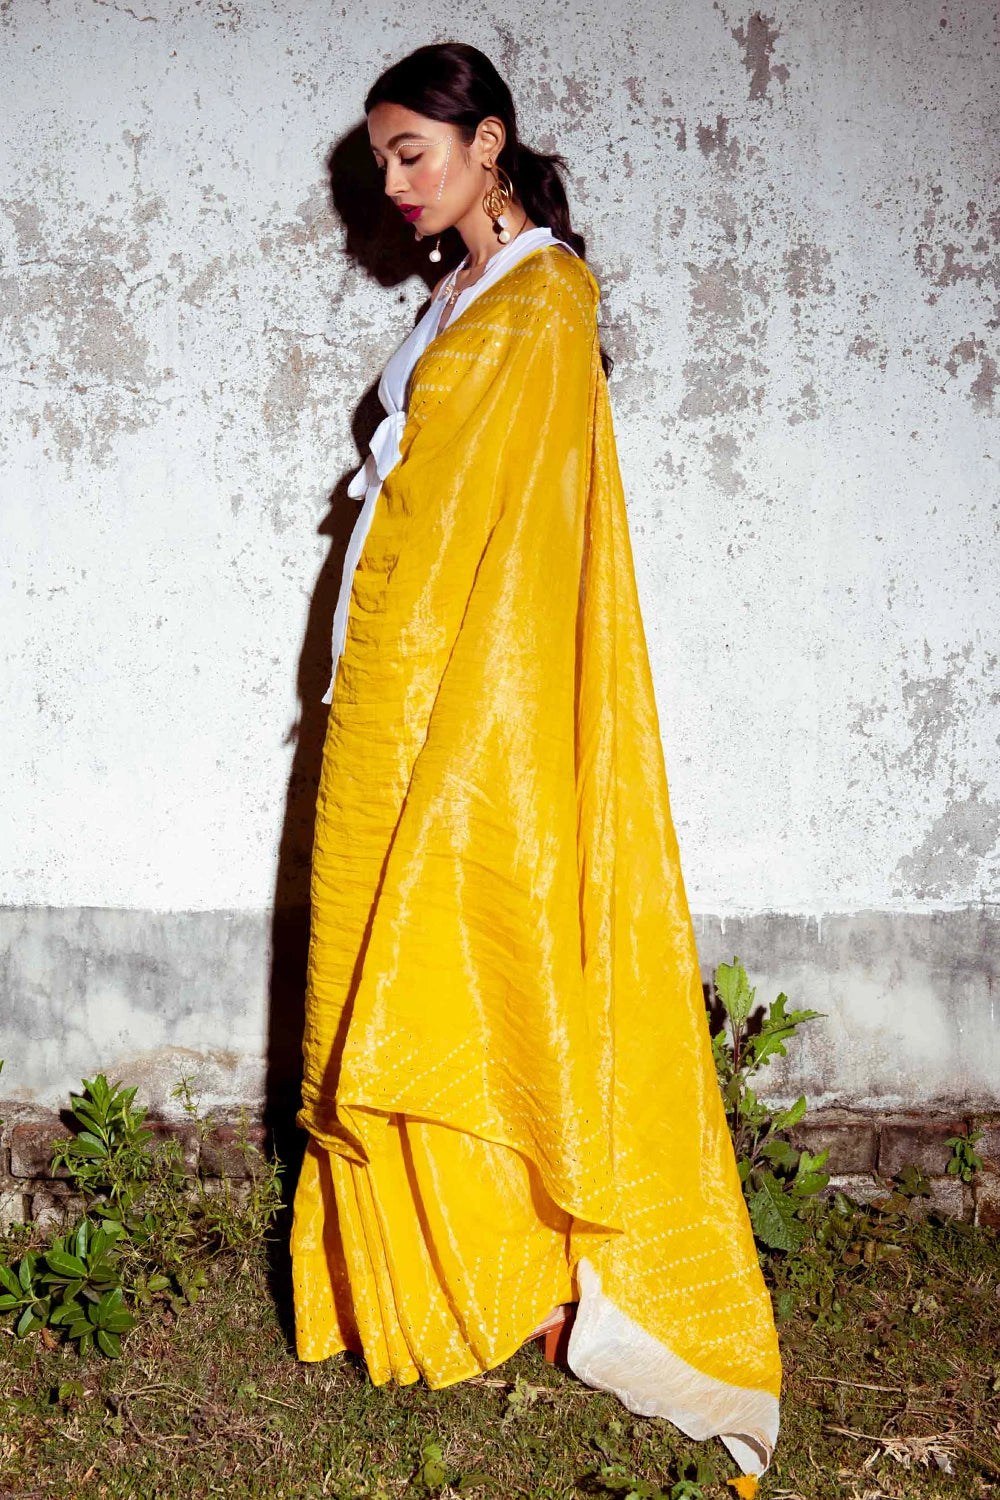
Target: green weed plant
[814, 1244]
[148, 1226]
[965, 1160]
[781, 1182]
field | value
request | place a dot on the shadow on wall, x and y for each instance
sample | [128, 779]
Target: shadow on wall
[379, 244]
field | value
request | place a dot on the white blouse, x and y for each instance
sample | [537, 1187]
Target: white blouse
[384, 455]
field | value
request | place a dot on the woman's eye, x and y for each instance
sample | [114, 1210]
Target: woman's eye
[407, 161]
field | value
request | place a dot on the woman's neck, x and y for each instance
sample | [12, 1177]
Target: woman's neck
[480, 238]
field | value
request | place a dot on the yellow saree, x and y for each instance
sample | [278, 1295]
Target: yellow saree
[508, 1083]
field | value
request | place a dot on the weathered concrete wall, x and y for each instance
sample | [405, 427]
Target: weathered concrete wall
[795, 216]
[908, 1000]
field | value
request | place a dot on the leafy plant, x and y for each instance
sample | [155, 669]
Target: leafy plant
[911, 1183]
[235, 1216]
[24, 1296]
[128, 1179]
[779, 1180]
[521, 1397]
[147, 1228]
[109, 1154]
[84, 1279]
[170, 1217]
[616, 1479]
[848, 1241]
[965, 1160]
[431, 1474]
[74, 1288]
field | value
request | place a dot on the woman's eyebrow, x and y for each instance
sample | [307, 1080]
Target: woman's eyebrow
[406, 135]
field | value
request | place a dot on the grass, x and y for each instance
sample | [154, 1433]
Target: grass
[895, 1392]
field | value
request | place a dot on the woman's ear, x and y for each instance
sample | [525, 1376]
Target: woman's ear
[490, 138]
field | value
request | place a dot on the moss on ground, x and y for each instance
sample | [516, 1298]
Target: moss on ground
[893, 1390]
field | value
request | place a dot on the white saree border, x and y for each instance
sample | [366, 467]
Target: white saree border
[609, 1351]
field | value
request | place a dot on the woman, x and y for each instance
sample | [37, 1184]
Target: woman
[508, 1082]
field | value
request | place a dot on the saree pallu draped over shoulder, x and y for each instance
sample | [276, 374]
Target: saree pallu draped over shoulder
[508, 1080]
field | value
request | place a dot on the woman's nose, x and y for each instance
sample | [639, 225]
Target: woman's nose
[394, 180]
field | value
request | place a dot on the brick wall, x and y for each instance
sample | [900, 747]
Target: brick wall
[31, 1191]
[860, 1147]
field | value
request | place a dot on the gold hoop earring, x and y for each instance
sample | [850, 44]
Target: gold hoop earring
[496, 200]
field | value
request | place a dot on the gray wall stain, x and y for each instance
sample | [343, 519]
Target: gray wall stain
[724, 454]
[149, 997]
[727, 317]
[908, 1001]
[955, 850]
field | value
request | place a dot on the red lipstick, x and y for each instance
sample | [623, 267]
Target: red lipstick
[409, 211]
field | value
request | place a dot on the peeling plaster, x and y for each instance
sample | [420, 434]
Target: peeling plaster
[983, 387]
[724, 452]
[73, 317]
[805, 271]
[292, 385]
[796, 231]
[718, 144]
[950, 856]
[869, 348]
[728, 315]
[757, 38]
[957, 246]
[921, 737]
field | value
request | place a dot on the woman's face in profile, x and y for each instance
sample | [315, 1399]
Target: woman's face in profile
[426, 174]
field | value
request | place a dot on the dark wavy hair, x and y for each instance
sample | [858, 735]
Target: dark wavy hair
[458, 85]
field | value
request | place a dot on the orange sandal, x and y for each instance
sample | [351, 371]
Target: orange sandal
[555, 1331]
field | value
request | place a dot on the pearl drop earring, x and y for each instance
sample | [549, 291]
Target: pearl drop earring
[435, 254]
